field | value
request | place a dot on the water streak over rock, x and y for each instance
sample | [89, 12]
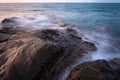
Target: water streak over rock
[39, 54]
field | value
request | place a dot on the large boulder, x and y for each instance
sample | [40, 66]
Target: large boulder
[40, 54]
[96, 70]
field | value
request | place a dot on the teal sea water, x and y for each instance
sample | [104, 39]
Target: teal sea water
[95, 22]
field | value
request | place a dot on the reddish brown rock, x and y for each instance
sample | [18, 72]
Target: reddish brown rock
[96, 70]
[61, 24]
[38, 55]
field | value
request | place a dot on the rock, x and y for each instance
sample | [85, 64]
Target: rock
[4, 37]
[0, 27]
[88, 46]
[9, 23]
[15, 25]
[38, 55]
[61, 24]
[96, 70]
[10, 20]
[115, 65]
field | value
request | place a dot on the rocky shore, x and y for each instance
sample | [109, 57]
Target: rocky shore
[43, 54]
[97, 70]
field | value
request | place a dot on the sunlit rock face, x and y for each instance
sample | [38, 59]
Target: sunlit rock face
[39, 54]
[97, 70]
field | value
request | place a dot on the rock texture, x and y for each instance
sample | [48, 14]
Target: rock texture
[9, 23]
[39, 54]
[97, 70]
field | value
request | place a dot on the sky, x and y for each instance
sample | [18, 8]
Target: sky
[104, 1]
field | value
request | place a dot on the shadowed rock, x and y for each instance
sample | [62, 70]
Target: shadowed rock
[4, 37]
[96, 70]
[30, 54]
[9, 23]
[39, 55]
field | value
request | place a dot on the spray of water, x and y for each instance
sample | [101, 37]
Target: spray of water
[103, 44]
[101, 40]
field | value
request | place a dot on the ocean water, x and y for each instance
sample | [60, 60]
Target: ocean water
[95, 22]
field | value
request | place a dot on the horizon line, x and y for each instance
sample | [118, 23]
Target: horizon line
[57, 2]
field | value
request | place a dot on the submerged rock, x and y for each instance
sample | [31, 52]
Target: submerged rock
[40, 54]
[9, 23]
[15, 25]
[96, 70]
[10, 20]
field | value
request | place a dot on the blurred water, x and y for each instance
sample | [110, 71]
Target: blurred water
[95, 22]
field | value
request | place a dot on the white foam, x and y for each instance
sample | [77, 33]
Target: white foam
[33, 19]
[37, 22]
[103, 44]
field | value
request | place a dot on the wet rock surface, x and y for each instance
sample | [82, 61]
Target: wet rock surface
[39, 54]
[9, 23]
[97, 70]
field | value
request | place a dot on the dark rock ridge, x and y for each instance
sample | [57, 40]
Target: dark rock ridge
[97, 70]
[39, 54]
